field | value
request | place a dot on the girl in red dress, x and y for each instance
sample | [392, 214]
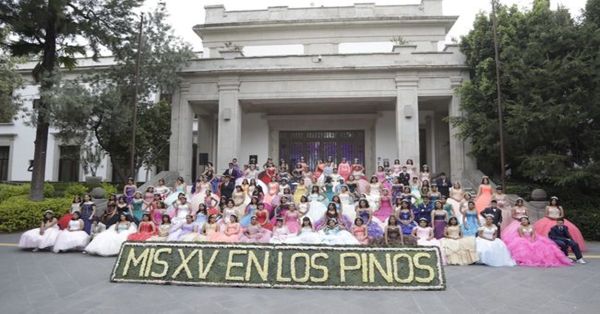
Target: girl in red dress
[146, 230]
[262, 215]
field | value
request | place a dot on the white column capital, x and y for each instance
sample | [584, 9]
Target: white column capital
[229, 84]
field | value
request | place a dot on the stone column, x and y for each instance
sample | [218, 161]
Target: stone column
[180, 150]
[229, 122]
[407, 119]
[457, 145]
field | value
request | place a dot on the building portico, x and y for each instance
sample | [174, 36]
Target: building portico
[374, 106]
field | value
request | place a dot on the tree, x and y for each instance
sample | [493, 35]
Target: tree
[550, 81]
[55, 32]
[104, 100]
[10, 80]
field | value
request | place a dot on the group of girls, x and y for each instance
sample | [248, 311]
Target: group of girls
[333, 205]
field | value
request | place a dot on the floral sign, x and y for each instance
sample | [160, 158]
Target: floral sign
[279, 266]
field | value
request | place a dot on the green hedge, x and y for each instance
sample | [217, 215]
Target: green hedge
[20, 213]
[75, 189]
[10, 190]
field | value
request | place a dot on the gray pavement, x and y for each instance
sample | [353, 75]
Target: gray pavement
[45, 282]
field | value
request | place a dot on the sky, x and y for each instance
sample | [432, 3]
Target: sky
[184, 14]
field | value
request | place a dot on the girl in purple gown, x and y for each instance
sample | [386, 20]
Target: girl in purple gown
[333, 212]
[439, 217]
[406, 218]
[129, 190]
[366, 214]
[88, 210]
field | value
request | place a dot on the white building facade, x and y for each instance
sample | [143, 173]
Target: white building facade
[322, 103]
[317, 101]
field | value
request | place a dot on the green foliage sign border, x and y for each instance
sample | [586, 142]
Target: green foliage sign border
[436, 264]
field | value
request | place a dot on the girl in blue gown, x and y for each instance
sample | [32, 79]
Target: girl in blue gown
[470, 221]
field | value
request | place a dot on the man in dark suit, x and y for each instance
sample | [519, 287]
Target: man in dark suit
[226, 187]
[404, 177]
[561, 236]
[423, 210]
[443, 184]
[495, 212]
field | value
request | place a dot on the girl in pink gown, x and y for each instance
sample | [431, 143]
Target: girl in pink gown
[511, 231]
[254, 233]
[484, 195]
[531, 249]
[146, 230]
[344, 169]
[211, 229]
[292, 218]
[232, 231]
[360, 232]
[554, 211]
[424, 234]
[158, 212]
[385, 209]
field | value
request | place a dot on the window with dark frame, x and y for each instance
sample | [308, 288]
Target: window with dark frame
[4, 160]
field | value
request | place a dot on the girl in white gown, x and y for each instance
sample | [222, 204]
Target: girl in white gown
[348, 204]
[42, 237]
[72, 238]
[108, 243]
[316, 209]
[490, 249]
[306, 235]
[181, 210]
[334, 234]
[280, 232]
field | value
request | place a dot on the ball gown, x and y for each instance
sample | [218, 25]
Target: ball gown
[405, 222]
[263, 219]
[255, 234]
[385, 209]
[201, 219]
[231, 233]
[422, 235]
[541, 252]
[136, 204]
[348, 206]
[344, 169]
[163, 233]
[374, 226]
[439, 225]
[72, 238]
[471, 225]
[227, 213]
[184, 232]
[33, 240]
[458, 250]
[492, 253]
[511, 231]
[129, 192]
[316, 209]
[180, 212]
[146, 230]
[301, 190]
[484, 199]
[292, 220]
[394, 236]
[361, 234]
[249, 212]
[306, 236]
[108, 243]
[87, 209]
[280, 235]
[63, 222]
[544, 225]
[337, 236]
[455, 199]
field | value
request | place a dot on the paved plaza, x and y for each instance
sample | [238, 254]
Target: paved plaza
[76, 283]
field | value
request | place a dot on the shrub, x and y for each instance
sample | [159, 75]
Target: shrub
[10, 190]
[19, 212]
[75, 189]
[109, 188]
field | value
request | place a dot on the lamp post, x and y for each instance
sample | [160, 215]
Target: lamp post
[499, 95]
[135, 99]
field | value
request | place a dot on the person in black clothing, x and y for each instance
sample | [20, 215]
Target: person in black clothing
[561, 236]
[495, 212]
[443, 184]
[227, 187]
[404, 177]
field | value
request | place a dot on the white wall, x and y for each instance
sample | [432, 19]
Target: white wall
[386, 145]
[255, 138]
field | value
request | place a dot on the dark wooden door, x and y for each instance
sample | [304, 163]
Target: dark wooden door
[319, 145]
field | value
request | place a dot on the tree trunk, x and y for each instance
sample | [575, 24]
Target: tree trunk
[45, 77]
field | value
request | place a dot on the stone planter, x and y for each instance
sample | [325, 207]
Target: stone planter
[93, 180]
